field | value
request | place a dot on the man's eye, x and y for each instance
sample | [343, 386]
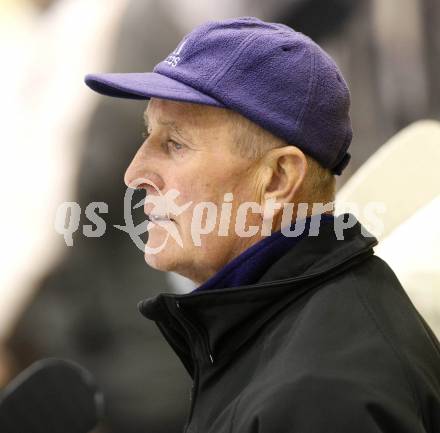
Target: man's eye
[174, 145]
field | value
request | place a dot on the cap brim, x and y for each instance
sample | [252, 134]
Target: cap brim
[145, 86]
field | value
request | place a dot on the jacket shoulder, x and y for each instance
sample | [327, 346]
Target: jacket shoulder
[360, 330]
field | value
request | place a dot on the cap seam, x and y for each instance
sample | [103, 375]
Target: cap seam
[312, 84]
[217, 77]
[251, 38]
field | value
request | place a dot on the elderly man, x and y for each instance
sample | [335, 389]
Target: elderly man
[295, 325]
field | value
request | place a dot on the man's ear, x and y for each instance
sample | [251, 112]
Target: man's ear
[284, 172]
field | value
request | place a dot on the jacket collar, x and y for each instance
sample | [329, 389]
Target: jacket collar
[209, 326]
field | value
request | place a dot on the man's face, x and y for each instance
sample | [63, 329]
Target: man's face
[189, 149]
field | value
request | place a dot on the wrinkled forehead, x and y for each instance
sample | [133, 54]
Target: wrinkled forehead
[176, 113]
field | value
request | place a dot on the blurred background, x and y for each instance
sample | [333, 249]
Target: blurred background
[63, 143]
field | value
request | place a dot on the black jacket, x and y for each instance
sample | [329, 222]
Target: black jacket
[327, 341]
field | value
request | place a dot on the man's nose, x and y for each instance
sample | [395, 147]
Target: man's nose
[130, 173]
[140, 175]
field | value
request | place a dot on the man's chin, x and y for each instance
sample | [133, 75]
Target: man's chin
[160, 256]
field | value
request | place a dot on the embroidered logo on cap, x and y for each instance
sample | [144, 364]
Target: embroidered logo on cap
[174, 58]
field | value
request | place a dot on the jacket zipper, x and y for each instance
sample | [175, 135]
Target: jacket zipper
[201, 335]
[203, 339]
[176, 348]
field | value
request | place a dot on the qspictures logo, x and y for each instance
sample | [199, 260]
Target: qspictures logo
[162, 210]
[162, 207]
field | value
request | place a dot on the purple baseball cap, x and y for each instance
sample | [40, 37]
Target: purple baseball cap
[269, 73]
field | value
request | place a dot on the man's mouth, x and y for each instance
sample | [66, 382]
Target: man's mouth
[156, 218]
